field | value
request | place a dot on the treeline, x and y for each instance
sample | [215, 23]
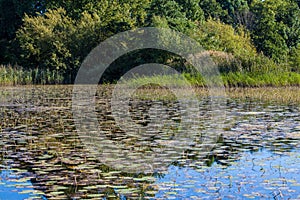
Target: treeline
[244, 36]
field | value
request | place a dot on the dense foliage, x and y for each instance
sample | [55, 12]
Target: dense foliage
[242, 35]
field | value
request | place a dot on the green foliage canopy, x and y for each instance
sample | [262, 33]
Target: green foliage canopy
[58, 34]
[277, 27]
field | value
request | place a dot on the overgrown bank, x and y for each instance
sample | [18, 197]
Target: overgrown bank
[12, 76]
[254, 43]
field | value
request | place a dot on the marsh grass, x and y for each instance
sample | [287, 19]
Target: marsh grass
[280, 87]
[16, 75]
[231, 79]
[154, 92]
[163, 80]
[282, 95]
[274, 79]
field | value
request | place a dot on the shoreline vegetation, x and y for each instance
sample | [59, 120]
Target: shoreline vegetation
[288, 95]
[15, 75]
[283, 95]
[253, 43]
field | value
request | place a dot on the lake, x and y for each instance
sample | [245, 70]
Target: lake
[154, 153]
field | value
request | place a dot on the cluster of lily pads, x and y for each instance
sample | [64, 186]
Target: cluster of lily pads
[39, 142]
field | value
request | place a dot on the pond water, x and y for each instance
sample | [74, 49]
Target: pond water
[44, 156]
[262, 174]
[16, 186]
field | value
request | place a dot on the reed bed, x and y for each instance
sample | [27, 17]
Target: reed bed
[285, 95]
[282, 95]
[16, 75]
[228, 80]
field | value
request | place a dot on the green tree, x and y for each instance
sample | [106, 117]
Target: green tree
[233, 7]
[277, 27]
[192, 9]
[59, 42]
[213, 9]
[233, 12]
[56, 41]
[294, 59]
[231, 47]
[178, 15]
[127, 11]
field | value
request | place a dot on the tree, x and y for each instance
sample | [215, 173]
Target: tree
[213, 9]
[294, 60]
[59, 42]
[55, 41]
[192, 9]
[230, 47]
[233, 7]
[178, 15]
[298, 2]
[132, 11]
[277, 27]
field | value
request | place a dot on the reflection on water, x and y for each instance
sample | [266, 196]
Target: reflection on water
[257, 155]
[15, 186]
[261, 174]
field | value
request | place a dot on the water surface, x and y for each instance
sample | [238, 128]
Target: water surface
[43, 157]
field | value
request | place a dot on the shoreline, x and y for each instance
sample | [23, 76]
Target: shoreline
[284, 94]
